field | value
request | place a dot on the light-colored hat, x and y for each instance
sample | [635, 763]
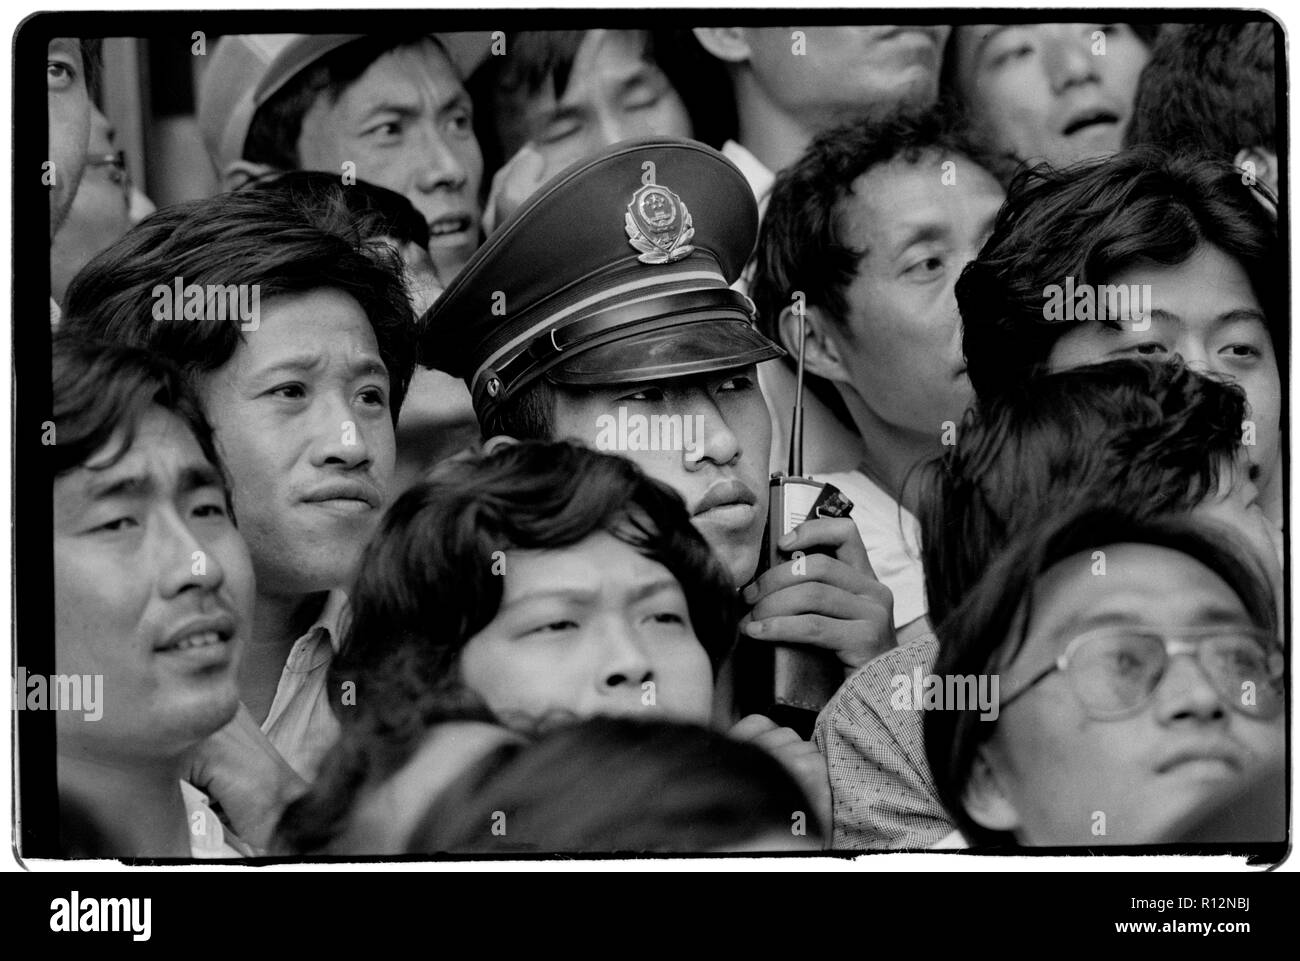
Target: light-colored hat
[246, 70]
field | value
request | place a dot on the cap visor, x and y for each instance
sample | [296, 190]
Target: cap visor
[702, 345]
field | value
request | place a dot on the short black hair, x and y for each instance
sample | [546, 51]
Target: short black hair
[266, 238]
[981, 636]
[1090, 221]
[609, 784]
[1150, 435]
[375, 211]
[102, 389]
[1209, 87]
[426, 587]
[277, 124]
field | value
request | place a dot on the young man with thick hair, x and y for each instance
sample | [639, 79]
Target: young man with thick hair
[153, 593]
[1147, 253]
[296, 333]
[1155, 438]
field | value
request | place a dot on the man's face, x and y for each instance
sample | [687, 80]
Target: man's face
[594, 628]
[1206, 310]
[845, 70]
[301, 415]
[68, 98]
[407, 124]
[902, 352]
[100, 213]
[153, 593]
[615, 92]
[1144, 773]
[1059, 92]
[722, 475]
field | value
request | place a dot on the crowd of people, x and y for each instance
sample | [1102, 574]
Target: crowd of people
[413, 494]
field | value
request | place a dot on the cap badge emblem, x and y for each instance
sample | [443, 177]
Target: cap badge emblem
[658, 224]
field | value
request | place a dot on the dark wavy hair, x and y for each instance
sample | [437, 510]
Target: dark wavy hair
[269, 238]
[1148, 435]
[376, 211]
[426, 587]
[1210, 87]
[981, 635]
[101, 389]
[1090, 221]
[608, 785]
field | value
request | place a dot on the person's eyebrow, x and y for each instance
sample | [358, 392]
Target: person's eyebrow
[404, 109]
[298, 363]
[659, 586]
[64, 46]
[578, 595]
[121, 485]
[564, 112]
[1241, 315]
[458, 100]
[1082, 621]
[925, 231]
[198, 476]
[366, 366]
[644, 73]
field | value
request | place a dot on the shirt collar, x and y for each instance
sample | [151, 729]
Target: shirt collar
[760, 178]
[332, 618]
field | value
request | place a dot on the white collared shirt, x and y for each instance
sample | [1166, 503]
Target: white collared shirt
[892, 538]
[300, 723]
[208, 837]
[759, 177]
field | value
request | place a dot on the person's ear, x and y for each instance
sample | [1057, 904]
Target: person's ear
[498, 442]
[238, 173]
[985, 799]
[1259, 163]
[728, 44]
[821, 354]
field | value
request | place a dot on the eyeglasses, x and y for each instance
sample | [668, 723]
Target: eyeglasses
[1115, 671]
[117, 172]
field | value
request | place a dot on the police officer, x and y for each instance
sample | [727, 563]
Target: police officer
[601, 312]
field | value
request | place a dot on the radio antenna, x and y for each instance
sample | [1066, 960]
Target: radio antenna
[796, 422]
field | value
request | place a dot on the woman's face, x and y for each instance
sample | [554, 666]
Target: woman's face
[593, 628]
[1059, 92]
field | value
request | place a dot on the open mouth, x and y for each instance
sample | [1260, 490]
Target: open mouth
[209, 633]
[1091, 120]
[449, 226]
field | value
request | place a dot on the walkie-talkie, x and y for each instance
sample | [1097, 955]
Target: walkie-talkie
[791, 683]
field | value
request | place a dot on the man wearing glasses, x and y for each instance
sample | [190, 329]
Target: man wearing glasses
[1142, 681]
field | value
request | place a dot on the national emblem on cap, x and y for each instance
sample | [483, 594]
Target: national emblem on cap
[636, 299]
[658, 223]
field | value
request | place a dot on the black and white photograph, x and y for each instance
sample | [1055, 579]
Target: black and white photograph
[613, 435]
